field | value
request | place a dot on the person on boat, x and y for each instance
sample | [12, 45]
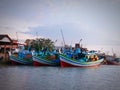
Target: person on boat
[61, 50]
[87, 57]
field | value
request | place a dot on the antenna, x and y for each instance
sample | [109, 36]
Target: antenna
[79, 42]
[38, 40]
[63, 37]
[17, 38]
[112, 51]
[37, 35]
[55, 41]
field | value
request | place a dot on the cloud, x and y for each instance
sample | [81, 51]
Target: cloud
[21, 16]
[12, 25]
[96, 22]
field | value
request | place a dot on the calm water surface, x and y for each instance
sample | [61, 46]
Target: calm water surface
[56, 78]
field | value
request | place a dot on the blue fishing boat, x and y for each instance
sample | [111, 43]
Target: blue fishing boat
[46, 59]
[78, 57]
[40, 61]
[22, 57]
[83, 62]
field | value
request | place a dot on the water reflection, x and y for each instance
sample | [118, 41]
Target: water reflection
[56, 78]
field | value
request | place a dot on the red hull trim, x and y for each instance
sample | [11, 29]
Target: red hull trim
[64, 64]
[16, 63]
[35, 63]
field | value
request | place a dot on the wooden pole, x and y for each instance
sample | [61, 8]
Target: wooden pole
[5, 52]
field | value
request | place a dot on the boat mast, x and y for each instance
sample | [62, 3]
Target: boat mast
[38, 41]
[63, 37]
[17, 37]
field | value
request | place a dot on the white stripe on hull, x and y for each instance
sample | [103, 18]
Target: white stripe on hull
[81, 64]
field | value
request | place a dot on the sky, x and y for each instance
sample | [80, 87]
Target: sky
[96, 22]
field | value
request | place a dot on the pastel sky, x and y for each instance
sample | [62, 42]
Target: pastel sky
[96, 22]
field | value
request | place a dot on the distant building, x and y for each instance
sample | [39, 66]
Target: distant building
[6, 43]
[5, 39]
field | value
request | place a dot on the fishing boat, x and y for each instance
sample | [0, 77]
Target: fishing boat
[43, 59]
[78, 57]
[22, 57]
[112, 60]
[18, 60]
[83, 62]
[40, 61]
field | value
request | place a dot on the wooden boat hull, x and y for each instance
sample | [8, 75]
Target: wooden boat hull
[113, 63]
[38, 61]
[20, 61]
[67, 62]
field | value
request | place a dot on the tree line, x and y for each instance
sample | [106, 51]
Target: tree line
[39, 43]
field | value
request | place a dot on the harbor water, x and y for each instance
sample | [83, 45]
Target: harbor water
[105, 77]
